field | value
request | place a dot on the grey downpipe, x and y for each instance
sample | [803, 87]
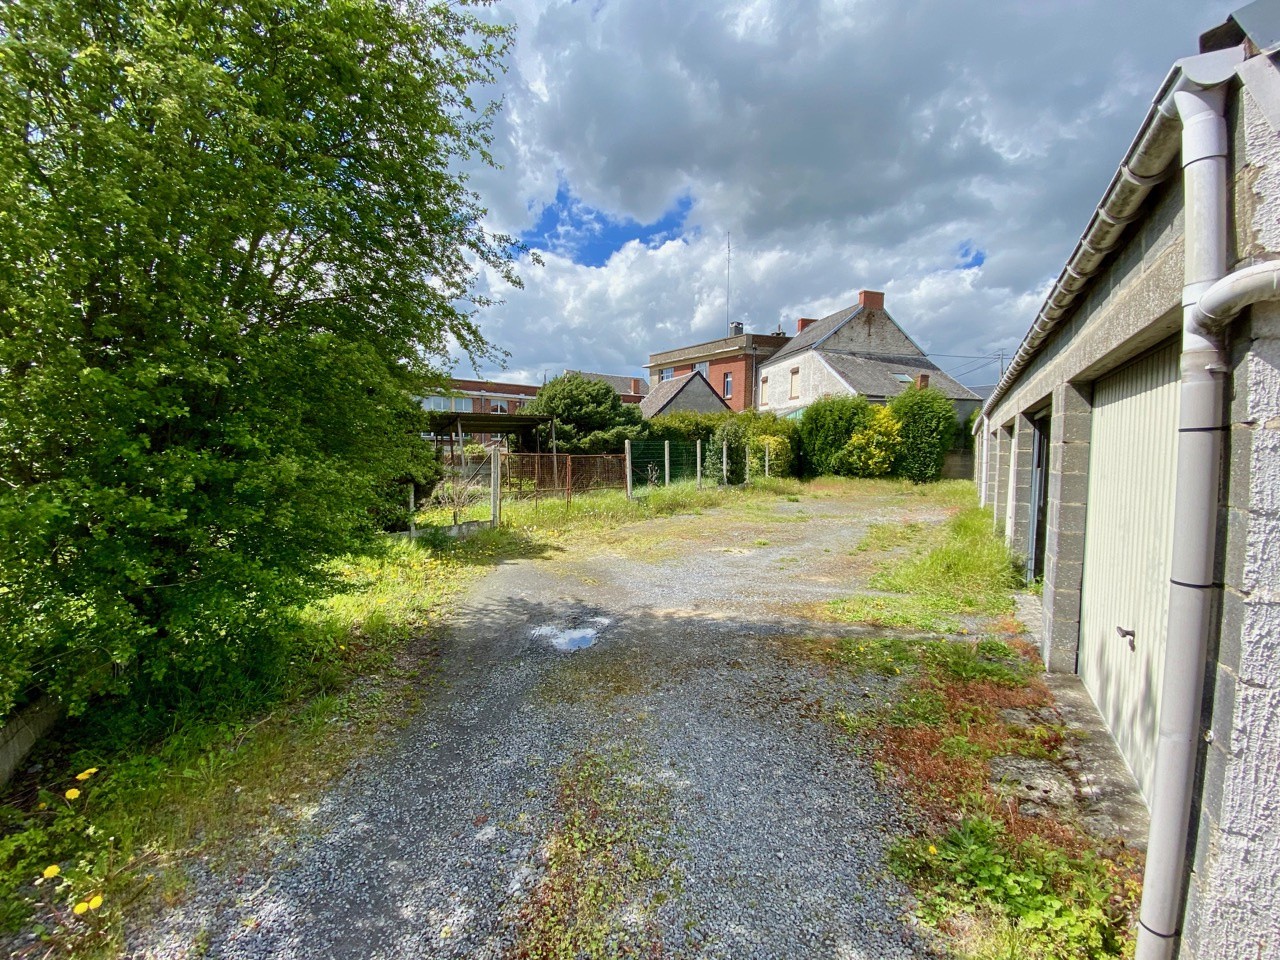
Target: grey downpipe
[1210, 301]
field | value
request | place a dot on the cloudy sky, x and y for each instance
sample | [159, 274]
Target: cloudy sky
[947, 152]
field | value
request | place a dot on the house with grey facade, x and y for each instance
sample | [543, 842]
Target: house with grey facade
[857, 351]
[690, 393]
[1131, 455]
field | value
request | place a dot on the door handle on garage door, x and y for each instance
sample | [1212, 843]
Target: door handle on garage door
[1127, 634]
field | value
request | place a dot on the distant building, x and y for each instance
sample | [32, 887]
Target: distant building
[857, 351]
[730, 364]
[481, 396]
[630, 389]
[688, 393]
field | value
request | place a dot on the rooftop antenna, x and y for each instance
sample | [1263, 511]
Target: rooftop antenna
[728, 259]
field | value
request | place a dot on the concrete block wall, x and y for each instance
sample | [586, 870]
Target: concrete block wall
[1069, 432]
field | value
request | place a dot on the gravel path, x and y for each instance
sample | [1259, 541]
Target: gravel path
[775, 828]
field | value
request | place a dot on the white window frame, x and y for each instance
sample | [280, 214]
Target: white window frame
[728, 384]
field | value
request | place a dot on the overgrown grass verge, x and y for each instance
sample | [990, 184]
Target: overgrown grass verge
[605, 875]
[998, 883]
[959, 570]
[79, 856]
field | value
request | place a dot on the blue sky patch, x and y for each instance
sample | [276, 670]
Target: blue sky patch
[971, 255]
[589, 236]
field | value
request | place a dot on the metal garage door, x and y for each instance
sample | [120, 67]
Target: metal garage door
[1128, 538]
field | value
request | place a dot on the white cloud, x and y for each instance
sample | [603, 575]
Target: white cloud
[845, 145]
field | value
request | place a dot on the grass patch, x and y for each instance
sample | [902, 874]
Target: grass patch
[883, 537]
[605, 875]
[960, 570]
[163, 789]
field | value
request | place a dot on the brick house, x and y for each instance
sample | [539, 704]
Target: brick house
[730, 364]
[857, 351]
[1131, 454]
[481, 396]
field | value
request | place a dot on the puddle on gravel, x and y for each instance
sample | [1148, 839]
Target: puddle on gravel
[571, 637]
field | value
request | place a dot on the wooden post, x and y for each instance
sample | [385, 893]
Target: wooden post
[495, 489]
[627, 445]
[724, 462]
[568, 479]
[666, 463]
[699, 464]
[413, 508]
[555, 460]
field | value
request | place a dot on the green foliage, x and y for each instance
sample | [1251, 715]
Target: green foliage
[231, 239]
[685, 426]
[773, 452]
[590, 416]
[872, 451]
[1044, 902]
[927, 425]
[825, 429]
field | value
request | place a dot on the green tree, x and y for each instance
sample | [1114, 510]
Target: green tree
[825, 428]
[927, 425]
[589, 415]
[233, 242]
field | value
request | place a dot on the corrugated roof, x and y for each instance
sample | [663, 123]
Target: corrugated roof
[876, 374]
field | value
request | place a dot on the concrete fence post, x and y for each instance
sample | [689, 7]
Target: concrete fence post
[698, 460]
[627, 447]
[413, 508]
[766, 458]
[666, 463]
[724, 462]
[746, 461]
[568, 479]
[495, 488]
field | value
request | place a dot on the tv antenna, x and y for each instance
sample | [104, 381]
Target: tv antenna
[728, 259]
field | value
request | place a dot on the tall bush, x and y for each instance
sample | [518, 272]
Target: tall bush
[825, 428]
[873, 450]
[232, 239]
[927, 422]
[684, 426]
[589, 415]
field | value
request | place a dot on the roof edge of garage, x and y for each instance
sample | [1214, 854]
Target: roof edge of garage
[1147, 162]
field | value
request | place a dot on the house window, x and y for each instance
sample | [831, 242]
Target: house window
[435, 403]
[666, 373]
[764, 391]
[703, 368]
[728, 385]
[498, 406]
[795, 383]
[464, 405]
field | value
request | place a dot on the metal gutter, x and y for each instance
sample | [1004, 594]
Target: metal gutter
[1148, 161]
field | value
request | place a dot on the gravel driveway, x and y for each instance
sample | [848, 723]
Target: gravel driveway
[772, 827]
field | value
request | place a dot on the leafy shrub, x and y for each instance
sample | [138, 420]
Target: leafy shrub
[587, 416]
[684, 426]
[825, 428]
[871, 451]
[475, 451]
[927, 424]
[778, 458]
[1051, 904]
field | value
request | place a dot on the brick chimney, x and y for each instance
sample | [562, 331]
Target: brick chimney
[804, 322]
[922, 382]
[635, 386]
[871, 299]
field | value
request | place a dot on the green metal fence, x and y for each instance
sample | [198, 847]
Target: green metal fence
[655, 463]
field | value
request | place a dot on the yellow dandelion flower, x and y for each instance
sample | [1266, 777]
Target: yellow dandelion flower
[95, 901]
[933, 851]
[52, 871]
[80, 908]
[42, 805]
[85, 775]
[72, 793]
